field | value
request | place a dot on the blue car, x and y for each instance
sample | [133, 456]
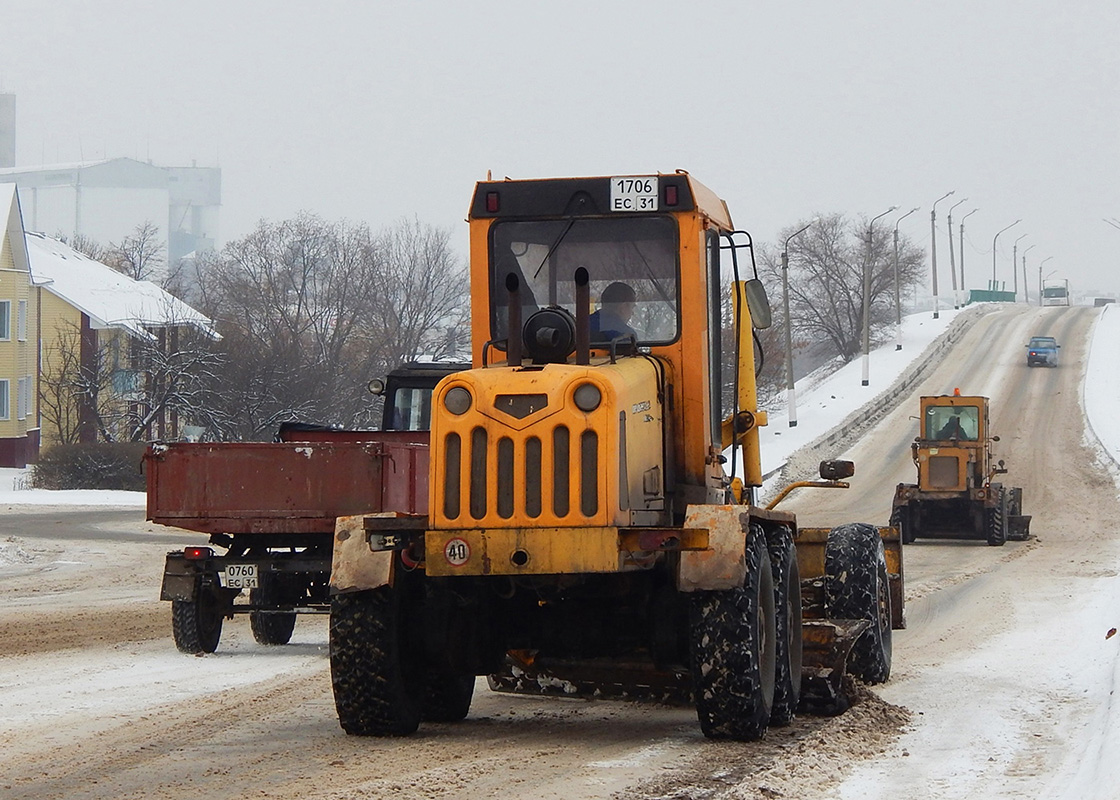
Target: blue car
[1042, 351]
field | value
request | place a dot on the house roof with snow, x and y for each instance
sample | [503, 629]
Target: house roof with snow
[12, 233]
[109, 298]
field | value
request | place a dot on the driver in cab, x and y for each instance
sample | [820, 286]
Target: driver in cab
[612, 320]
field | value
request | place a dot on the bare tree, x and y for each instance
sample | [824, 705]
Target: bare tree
[129, 388]
[310, 310]
[141, 256]
[826, 265]
[62, 388]
[85, 245]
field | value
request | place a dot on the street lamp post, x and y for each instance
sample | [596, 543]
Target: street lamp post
[1040, 263]
[933, 246]
[1001, 230]
[953, 266]
[867, 298]
[966, 216]
[897, 288]
[1026, 290]
[1014, 262]
[791, 396]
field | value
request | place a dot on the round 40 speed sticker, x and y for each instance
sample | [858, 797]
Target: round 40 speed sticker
[457, 552]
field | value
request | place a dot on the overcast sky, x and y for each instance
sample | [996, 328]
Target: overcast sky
[374, 111]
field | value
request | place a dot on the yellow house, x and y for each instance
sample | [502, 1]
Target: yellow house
[91, 318]
[19, 351]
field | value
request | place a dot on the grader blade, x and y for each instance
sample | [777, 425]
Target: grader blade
[825, 648]
[1019, 527]
[593, 678]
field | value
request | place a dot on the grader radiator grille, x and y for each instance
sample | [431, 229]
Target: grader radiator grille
[943, 472]
[532, 476]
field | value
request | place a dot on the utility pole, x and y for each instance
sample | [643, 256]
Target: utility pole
[933, 246]
[966, 216]
[1026, 290]
[1001, 230]
[1015, 272]
[1040, 263]
[867, 298]
[791, 393]
[952, 265]
[897, 289]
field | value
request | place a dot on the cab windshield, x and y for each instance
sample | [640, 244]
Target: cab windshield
[638, 252]
[952, 422]
[410, 409]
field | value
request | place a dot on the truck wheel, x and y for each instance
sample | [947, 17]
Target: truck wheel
[375, 669]
[787, 625]
[733, 651]
[996, 518]
[857, 587]
[270, 628]
[447, 698]
[197, 624]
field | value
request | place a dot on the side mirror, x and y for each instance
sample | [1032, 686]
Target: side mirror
[835, 470]
[995, 438]
[758, 303]
[376, 386]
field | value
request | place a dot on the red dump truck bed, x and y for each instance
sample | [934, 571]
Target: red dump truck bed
[286, 487]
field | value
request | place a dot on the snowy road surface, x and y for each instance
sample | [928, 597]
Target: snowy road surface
[1001, 688]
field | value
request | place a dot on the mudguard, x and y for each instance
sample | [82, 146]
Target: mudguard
[354, 567]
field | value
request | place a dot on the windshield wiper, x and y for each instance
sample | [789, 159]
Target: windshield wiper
[555, 244]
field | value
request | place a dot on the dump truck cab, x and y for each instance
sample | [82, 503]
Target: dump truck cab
[585, 529]
[955, 496]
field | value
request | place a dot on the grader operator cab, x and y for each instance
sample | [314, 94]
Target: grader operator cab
[955, 497]
[585, 530]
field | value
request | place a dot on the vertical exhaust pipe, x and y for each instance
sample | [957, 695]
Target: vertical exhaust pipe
[513, 343]
[583, 317]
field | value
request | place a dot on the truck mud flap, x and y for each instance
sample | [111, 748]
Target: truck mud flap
[825, 648]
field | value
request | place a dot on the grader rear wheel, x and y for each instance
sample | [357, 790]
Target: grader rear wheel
[733, 651]
[787, 604]
[857, 587]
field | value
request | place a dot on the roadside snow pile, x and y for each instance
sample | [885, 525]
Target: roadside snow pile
[13, 554]
[14, 492]
[1101, 399]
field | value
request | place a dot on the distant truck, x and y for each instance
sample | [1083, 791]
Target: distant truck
[955, 496]
[261, 506]
[1055, 293]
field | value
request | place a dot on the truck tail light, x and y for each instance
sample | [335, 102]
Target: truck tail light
[197, 553]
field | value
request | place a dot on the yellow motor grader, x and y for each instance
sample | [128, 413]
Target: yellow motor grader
[955, 496]
[591, 523]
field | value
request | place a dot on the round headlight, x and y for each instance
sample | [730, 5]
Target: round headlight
[457, 401]
[376, 386]
[588, 397]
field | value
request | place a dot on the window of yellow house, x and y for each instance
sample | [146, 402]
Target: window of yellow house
[23, 398]
[5, 324]
[4, 392]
